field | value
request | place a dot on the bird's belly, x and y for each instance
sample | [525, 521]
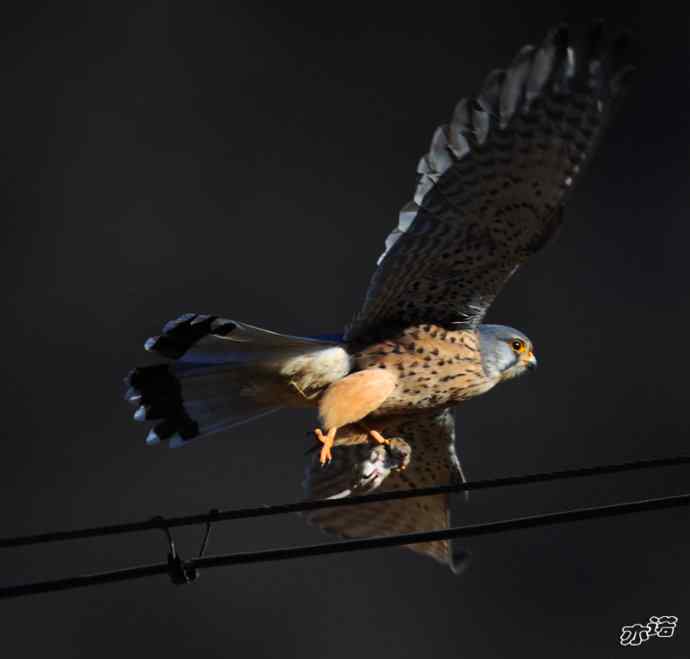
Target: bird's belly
[414, 393]
[433, 368]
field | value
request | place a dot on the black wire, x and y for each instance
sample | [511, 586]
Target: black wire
[305, 506]
[468, 531]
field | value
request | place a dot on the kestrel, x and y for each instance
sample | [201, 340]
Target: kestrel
[490, 193]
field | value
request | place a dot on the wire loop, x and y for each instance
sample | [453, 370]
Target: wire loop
[179, 571]
[212, 516]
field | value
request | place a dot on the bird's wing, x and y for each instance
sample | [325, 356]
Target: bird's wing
[356, 470]
[491, 189]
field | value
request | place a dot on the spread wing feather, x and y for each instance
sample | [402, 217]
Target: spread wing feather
[492, 186]
[432, 461]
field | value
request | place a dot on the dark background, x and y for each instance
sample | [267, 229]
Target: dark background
[250, 162]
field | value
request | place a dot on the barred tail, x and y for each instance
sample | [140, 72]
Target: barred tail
[221, 376]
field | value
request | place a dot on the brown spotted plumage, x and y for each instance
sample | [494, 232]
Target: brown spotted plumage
[490, 193]
[492, 188]
[430, 437]
[433, 368]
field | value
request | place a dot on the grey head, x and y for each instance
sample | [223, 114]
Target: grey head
[505, 351]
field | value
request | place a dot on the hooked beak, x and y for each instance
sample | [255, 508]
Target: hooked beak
[531, 362]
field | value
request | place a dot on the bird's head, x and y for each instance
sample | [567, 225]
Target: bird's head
[506, 352]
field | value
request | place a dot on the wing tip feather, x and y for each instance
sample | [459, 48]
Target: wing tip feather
[559, 65]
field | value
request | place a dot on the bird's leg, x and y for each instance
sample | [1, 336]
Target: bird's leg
[300, 391]
[378, 437]
[327, 441]
[375, 435]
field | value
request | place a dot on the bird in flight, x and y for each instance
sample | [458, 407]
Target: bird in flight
[490, 193]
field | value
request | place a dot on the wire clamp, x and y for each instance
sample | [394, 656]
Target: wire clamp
[179, 571]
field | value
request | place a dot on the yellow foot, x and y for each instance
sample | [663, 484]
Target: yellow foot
[327, 441]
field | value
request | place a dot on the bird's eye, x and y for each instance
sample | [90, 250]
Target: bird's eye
[518, 345]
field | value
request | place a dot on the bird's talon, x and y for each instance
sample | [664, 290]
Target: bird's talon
[327, 440]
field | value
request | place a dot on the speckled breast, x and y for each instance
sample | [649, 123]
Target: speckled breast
[434, 367]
